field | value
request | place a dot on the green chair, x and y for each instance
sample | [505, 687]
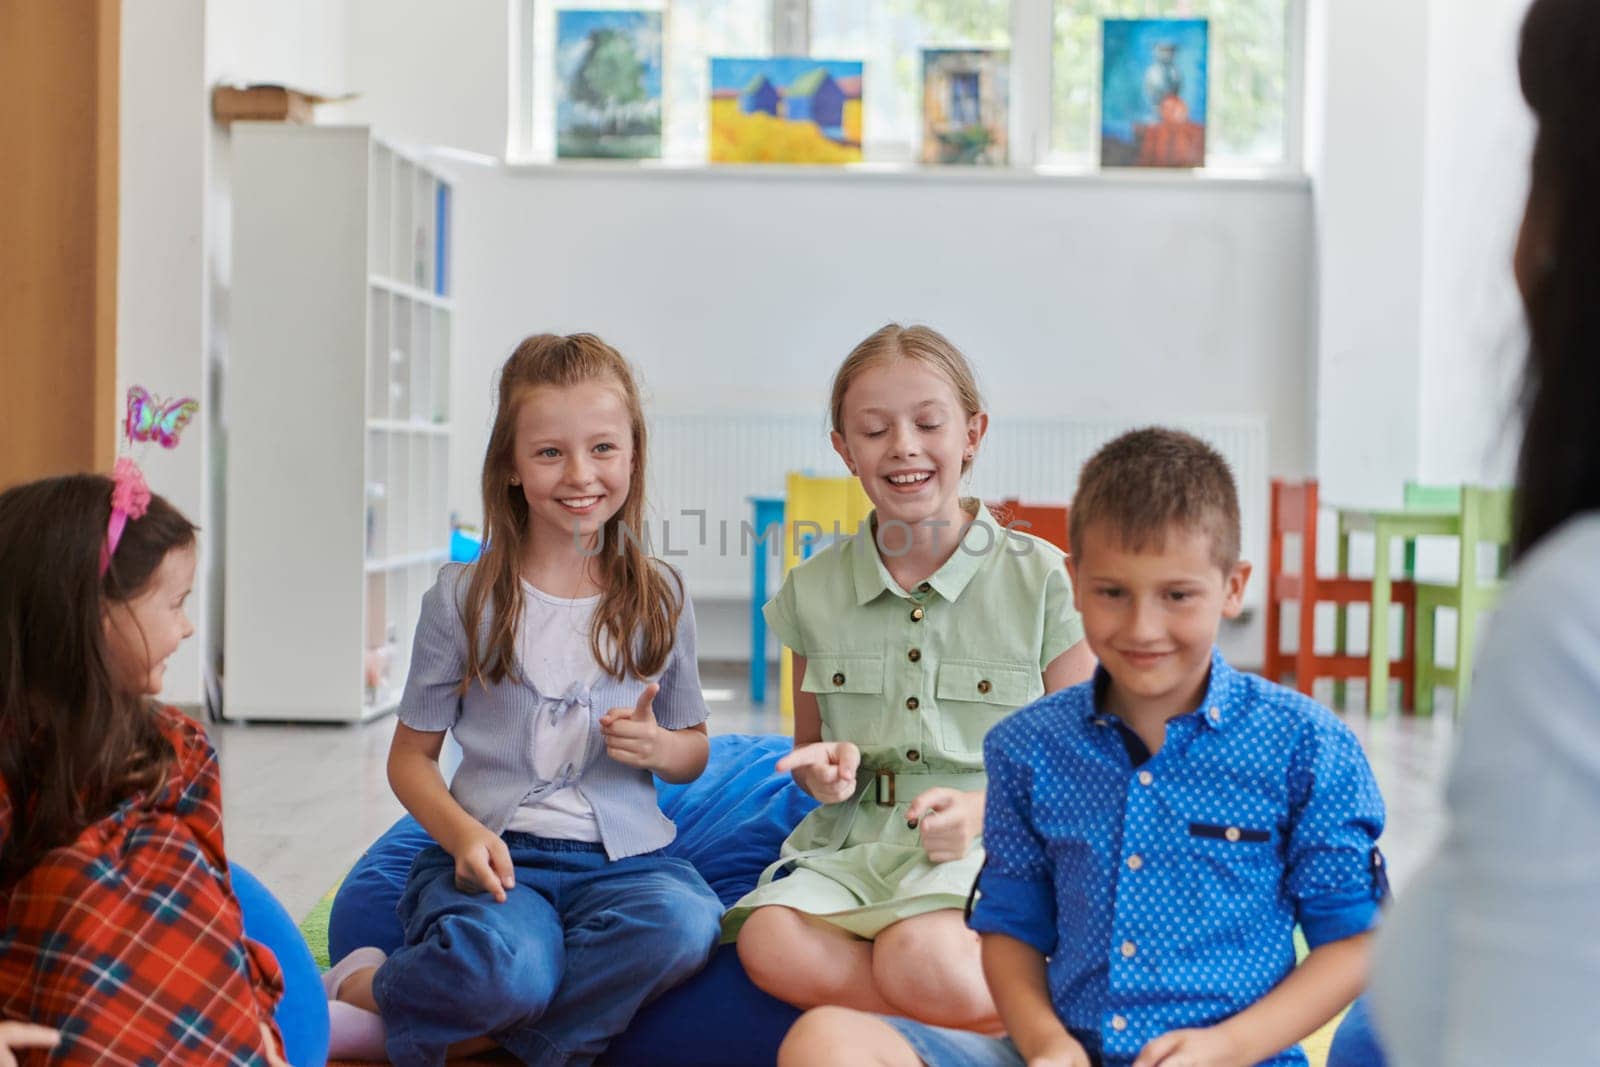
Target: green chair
[1485, 519]
[1420, 497]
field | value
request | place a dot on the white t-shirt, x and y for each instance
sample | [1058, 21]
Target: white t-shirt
[554, 647]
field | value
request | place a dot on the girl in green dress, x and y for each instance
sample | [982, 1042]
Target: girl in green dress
[910, 640]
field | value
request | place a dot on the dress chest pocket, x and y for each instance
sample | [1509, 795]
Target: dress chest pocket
[849, 692]
[974, 695]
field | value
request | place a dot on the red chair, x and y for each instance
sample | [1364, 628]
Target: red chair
[1294, 513]
[1046, 521]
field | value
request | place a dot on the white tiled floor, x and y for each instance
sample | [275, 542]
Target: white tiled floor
[302, 802]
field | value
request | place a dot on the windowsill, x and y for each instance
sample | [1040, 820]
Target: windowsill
[650, 169]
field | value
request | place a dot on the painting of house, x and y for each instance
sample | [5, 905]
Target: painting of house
[788, 109]
[1153, 93]
[965, 105]
[760, 96]
[815, 97]
[608, 84]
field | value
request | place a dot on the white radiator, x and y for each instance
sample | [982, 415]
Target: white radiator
[714, 463]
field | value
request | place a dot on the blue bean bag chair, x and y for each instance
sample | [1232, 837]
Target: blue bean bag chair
[1356, 1043]
[730, 821]
[302, 1014]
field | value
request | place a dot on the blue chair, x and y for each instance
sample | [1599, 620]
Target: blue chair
[731, 821]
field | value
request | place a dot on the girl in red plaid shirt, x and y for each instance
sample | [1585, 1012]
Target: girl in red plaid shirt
[121, 931]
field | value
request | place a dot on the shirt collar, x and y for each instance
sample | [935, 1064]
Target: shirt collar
[872, 578]
[1216, 708]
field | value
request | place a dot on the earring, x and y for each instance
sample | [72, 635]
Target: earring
[515, 480]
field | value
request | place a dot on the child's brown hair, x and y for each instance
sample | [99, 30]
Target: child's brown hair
[1146, 482]
[73, 743]
[637, 617]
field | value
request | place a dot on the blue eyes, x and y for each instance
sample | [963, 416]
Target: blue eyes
[552, 452]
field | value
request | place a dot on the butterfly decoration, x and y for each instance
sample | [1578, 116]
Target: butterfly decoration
[152, 419]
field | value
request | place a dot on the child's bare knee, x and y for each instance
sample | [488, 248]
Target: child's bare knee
[936, 980]
[844, 1036]
[767, 944]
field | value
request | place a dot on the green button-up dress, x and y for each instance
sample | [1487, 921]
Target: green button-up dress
[915, 679]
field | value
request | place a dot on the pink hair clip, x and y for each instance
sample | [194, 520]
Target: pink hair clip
[130, 499]
[149, 419]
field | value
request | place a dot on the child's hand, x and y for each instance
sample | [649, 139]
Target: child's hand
[274, 1057]
[1210, 1046]
[825, 769]
[949, 820]
[631, 734]
[1063, 1052]
[483, 864]
[24, 1035]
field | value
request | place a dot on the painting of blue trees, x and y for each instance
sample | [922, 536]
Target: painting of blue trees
[608, 84]
[1153, 93]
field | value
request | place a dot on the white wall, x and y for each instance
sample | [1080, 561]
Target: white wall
[1365, 147]
[1085, 297]
[172, 237]
[430, 72]
[1479, 138]
[160, 267]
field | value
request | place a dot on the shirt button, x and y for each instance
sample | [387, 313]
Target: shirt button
[914, 655]
[1135, 862]
[912, 703]
[913, 755]
[916, 614]
[1215, 714]
[984, 686]
[1231, 833]
[924, 587]
[1145, 777]
[1129, 949]
[838, 679]
[1118, 1023]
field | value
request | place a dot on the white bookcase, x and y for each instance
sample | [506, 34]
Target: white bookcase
[337, 419]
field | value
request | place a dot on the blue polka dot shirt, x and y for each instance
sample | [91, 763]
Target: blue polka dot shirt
[1165, 889]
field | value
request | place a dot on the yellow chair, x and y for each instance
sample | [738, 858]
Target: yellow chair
[815, 510]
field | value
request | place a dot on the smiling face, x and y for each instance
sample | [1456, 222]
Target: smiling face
[1152, 616]
[904, 433]
[573, 458]
[142, 633]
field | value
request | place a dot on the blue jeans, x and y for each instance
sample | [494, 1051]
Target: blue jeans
[938, 1046]
[556, 971]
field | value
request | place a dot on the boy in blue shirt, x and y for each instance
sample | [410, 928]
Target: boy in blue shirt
[1155, 835]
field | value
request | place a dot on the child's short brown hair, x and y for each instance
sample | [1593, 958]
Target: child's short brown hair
[1148, 481]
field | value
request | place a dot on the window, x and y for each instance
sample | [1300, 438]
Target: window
[1249, 57]
[889, 35]
[1252, 78]
[695, 30]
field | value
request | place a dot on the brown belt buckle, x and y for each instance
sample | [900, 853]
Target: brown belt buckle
[883, 775]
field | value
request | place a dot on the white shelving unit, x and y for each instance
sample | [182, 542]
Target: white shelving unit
[337, 410]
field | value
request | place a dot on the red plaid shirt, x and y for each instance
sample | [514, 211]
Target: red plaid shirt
[130, 940]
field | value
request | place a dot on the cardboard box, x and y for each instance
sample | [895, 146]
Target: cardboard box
[266, 103]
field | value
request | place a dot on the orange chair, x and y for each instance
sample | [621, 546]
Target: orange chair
[1045, 521]
[1294, 512]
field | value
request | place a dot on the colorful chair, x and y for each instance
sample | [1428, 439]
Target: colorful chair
[1294, 513]
[1485, 519]
[1420, 497]
[1046, 521]
[815, 511]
